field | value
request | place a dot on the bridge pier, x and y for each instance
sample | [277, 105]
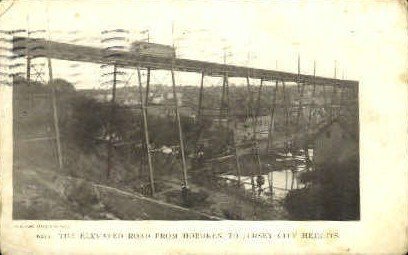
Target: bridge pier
[180, 131]
[112, 114]
[143, 107]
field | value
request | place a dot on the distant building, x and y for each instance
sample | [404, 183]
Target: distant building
[335, 143]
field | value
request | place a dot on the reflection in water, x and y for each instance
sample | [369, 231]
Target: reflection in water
[282, 180]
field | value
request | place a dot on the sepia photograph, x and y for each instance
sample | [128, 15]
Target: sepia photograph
[268, 120]
[123, 124]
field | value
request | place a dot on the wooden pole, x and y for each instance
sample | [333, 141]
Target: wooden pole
[258, 106]
[251, 96]
[255, 130]
[293, 179]
[111, 122]
[143, 156]
[270, 181]
[199, 111]
[236, 159]
[223, 100]
[146, 130]
[28, 67]
[309, 122]
[200, 97]
[28, 71]
[238, 166]
[183, 157]
[55, 115]
[272, 122]
[255, 145]
[332, 102]
[313, 97]
[147, 86]
[298, 74]
[286, 114]
[342, 91]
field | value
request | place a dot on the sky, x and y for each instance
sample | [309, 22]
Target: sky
[261, 34]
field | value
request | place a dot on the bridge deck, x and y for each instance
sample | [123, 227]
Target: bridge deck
[64, 51]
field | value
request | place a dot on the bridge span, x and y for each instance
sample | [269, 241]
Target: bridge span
[23, 46]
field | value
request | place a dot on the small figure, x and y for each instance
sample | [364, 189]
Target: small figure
[184, 194]
[260, 181]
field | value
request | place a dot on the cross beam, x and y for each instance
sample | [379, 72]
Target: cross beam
[72, 52]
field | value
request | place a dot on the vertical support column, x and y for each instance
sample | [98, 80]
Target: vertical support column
[234, 145]
[145, 127]
[258, 105]
[143, 156]
[199, 111]
[292, 185]
[270, 181]
[255, 116]
[183, 157]
[147, 86]
[313, 97]
[302, 126]
[236, 158]
[272, 114]
[223, 107]
[286, 115]
[28, 55]
[298, 74]
[251, 96]
[299, 111]
[301, 89]
[200, 97]
[28, 68]
[55, 114]
[332, 102]
[255, 147]
[342, 91]
[111, 121]
[309, 122]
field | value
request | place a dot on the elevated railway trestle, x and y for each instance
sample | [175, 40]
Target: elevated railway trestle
[31, 48]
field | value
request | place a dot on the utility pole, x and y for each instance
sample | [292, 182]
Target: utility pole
[55, 114]
[146, 130]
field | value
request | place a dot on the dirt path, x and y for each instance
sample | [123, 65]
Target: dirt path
[42, 194]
